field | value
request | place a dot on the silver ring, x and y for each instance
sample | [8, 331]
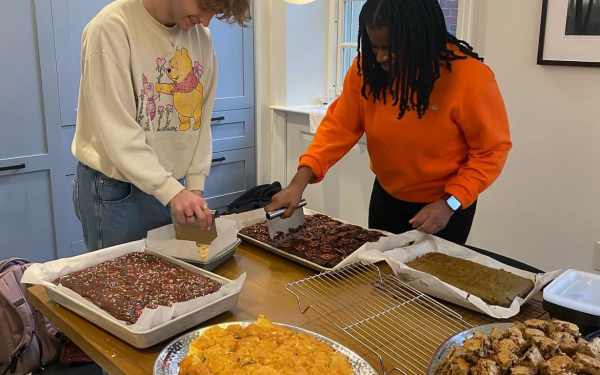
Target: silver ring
[190, 216]
[205, 207]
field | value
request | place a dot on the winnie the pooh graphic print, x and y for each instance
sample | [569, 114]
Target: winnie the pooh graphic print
[186, 89]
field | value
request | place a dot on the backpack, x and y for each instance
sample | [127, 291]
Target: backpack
[29, 340]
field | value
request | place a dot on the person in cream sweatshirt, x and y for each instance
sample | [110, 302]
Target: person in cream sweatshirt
[148, 84]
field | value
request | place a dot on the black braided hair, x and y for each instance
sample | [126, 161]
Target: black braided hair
[419, 40]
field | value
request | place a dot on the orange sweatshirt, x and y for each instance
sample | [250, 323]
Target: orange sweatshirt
[459, 146]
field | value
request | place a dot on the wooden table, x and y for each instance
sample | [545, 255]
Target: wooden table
[264, 293]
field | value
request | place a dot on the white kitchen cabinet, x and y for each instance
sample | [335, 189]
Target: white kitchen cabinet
[346, 190]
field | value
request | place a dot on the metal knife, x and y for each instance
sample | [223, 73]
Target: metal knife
[277, 224]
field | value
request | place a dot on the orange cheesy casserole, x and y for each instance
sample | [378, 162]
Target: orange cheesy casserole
[262, 348]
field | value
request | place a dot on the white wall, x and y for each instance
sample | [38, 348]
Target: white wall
[545, 208]
[307, 44]
[291, 60]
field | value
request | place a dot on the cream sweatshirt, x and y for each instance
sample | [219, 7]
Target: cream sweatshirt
[145, 100]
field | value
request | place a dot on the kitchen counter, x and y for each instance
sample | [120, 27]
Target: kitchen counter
[264, 293]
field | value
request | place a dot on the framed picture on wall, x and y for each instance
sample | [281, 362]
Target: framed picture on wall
[570, 33]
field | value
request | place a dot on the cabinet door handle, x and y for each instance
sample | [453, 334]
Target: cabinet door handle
[219, 159]
[220, 118]
[12, 167]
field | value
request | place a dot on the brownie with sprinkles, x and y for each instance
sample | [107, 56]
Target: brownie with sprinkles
[321, 240]
[127, 285]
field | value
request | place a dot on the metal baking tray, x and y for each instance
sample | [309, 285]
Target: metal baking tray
[459, 339]
[284, 254]
[168, 360]
[294, 258]
[162, 332]
[216, 262]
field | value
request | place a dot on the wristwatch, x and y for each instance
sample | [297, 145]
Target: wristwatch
[452, 202]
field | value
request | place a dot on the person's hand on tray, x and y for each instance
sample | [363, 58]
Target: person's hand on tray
[432, 218]
[291, 196]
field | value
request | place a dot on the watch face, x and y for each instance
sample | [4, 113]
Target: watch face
[453, 203]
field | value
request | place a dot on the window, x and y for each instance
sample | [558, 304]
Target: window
[346, 33]
[346, 40]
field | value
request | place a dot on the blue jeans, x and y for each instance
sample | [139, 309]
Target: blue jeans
[114, 212]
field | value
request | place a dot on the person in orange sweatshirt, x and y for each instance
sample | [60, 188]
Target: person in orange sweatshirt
[436, 125]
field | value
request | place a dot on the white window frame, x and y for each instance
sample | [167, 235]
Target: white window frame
[336, 33]
[465, 30]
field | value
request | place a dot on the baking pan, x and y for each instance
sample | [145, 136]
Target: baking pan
[216, 262]
[284, 254]
[162, 332]
[294, 258]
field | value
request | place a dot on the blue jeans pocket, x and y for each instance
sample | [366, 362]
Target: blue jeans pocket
[111, 191]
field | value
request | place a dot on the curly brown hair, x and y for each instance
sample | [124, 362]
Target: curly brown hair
[231, 11]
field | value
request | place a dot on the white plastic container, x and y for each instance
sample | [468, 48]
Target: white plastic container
[575, 296]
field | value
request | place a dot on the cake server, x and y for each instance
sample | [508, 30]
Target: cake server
[192, 231]
[277, 224]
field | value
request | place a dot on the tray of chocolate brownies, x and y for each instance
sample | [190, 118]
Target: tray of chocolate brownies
[321, 243]
[141, 296]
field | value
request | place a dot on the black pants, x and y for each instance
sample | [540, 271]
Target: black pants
[392, 215]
